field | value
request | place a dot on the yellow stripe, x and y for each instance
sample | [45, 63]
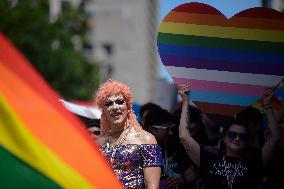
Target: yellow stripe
[19, 141]
[222, 32]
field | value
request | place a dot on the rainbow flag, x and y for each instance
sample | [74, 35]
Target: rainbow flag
[276, 101]
[228, 63]
[41, 144]
[279, 90]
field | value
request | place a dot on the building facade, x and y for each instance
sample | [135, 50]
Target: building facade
[124, 39]
[275, 4]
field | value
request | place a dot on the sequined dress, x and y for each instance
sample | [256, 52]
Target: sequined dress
[128, 161]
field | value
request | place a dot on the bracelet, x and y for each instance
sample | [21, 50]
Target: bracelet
[267, 107]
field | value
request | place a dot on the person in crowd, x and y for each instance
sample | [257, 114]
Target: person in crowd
[280, 114]
[175, 161]
[273, 179]
[232, 167]
[93, 127]
[254, 120]
[132, 152]
[198, 125]
[145, 109]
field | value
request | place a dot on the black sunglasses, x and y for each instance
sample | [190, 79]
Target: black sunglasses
[117, 101]
[242, 136]
[163, 127]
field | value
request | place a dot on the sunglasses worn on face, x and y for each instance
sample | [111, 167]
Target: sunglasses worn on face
[117, 101]
[163, 127]
[242, 136]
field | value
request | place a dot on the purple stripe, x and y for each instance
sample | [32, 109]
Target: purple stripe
[267, 69]
[232, 88]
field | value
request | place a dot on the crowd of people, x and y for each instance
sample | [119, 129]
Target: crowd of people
[185, 148]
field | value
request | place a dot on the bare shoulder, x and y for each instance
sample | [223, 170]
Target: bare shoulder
[101, 140]
[147, 138]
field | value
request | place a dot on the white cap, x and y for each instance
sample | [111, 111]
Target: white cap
[85, 111]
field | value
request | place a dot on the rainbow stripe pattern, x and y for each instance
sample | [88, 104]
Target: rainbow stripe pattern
[276, 100]
[41, 144]
[228, 63]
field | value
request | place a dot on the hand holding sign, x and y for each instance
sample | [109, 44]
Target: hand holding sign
[227, 63]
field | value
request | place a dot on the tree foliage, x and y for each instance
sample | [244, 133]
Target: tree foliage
[54, 48]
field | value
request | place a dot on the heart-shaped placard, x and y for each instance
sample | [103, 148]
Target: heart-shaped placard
[227, 63]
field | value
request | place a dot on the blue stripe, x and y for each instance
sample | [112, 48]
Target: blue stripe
[180, 61]
[279, 92]
[222, 54]
[223, 98]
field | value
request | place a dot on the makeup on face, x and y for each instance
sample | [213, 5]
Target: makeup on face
[110, 103]
[116, 109]
[233, 135]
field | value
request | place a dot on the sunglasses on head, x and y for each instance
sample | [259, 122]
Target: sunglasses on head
[117, 101]
[233, 135]
[162, 127]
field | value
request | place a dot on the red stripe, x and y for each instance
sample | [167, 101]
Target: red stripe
[18, 64]
[199, 8]
[261, 12]
[220, 109]
[220, 20]
[233, 88]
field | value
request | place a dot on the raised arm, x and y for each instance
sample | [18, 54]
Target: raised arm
[191, 146]
[269, 146]
[280, 114]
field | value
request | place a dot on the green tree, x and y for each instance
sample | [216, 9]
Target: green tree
[53, 48]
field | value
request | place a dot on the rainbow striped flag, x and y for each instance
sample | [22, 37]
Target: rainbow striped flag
[228, 63]
[41, 144]
[276, 101]
[279, 90]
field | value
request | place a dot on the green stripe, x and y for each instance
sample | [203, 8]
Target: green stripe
[17, 174]
[215, 42]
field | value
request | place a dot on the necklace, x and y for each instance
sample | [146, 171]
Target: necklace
[119, 141]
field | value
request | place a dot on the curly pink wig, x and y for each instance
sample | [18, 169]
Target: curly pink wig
[113, 87]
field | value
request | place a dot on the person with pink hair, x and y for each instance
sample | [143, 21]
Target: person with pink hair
[132, 152]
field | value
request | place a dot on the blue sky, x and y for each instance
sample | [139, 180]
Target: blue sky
[227, 7]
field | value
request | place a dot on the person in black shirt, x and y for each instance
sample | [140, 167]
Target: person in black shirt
[236, 166]
[175, 160]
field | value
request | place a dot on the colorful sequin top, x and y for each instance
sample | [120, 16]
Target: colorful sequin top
[128, 161]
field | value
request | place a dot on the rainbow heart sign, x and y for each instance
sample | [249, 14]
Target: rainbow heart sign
[227, 63]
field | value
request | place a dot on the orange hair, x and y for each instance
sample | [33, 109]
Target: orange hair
[113, 87]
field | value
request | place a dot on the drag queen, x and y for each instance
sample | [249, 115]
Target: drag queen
[132, 152]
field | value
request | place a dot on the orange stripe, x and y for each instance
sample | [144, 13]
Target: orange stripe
[71, 144]
[220, 20]
[220, 109]
[193, 18]
[257, 23]
[17, 63]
